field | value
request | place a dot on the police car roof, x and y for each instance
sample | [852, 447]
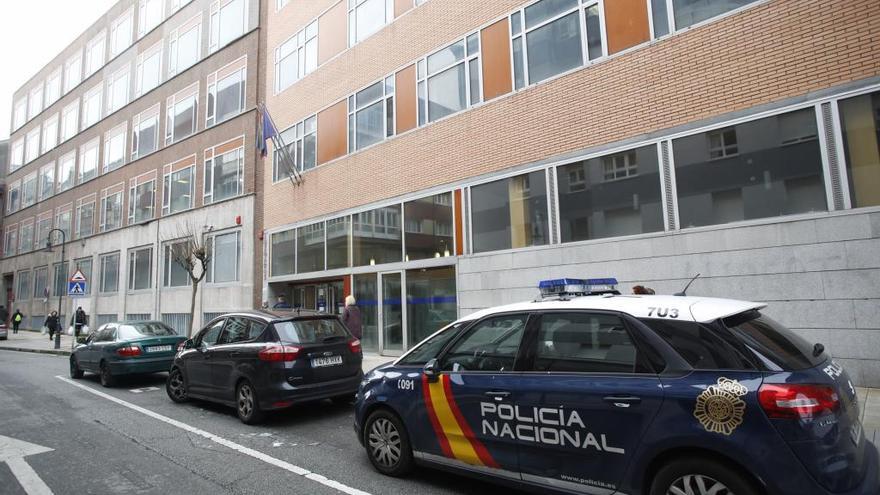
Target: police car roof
[701, 309]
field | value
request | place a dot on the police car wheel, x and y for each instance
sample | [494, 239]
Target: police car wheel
[387, 444]
[700, 477]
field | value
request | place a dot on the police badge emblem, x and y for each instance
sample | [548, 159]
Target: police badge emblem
[719, 408]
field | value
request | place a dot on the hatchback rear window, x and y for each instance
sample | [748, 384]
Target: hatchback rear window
[698, 345]
[314, 331]
[144, 330]
[773, 341]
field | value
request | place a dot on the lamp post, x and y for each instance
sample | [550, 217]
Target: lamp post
[60, 292]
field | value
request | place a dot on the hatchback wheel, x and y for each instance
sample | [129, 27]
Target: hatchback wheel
[107, 378]
[247, 406]
[175, 387]
[388, 444]
[700, 477]
[75, 371]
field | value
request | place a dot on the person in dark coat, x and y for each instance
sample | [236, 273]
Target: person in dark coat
[17, 318]
[79, 320]
[53, 324]
[281, 302]
[351, 316]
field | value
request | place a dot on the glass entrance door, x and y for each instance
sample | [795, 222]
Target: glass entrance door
[392, 313]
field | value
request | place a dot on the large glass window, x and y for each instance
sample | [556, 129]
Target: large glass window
[860, 120]
[185, 50]
[310, 248]
[284, 253]
[510, 213]
[145, 136]
[226, 258]
[689, 12]
[366, 292]
[85, 220]
[337, 242]
[120, 33]
[47, 181]
[35, 101]
[371, 115]
[32, 145]
[13, 197]
[141, 202]
[175, 275]
[117, 92]
[490, 345]
[224, 176]
[29, 190]
[62, 222]
[10, 243]
[24, 285]
[111, 212]
[150, 15]
[302, 145]
[41, 236]
[19, 114]
[72, 72]
[140, 266]
[758, 169]
[59, 278]
[109, 273]
[69, 121]
[376, 236]
[453, 79]
[88, 162]
[365, 17]
[26, 238]
[85, 266]
[41, 282]
[149, 70]
[226, 98]
[53, 87]
[429, 227]
[181, 121]
[91, 107]
[228, 22]
[16, 155]
[430, 301]
[50, 133]
[66, 171]
[610, 196]
[177, 191]
[95, 53]
[296, 57]
[114, 149]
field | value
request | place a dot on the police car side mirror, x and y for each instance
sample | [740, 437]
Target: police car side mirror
[431, 368]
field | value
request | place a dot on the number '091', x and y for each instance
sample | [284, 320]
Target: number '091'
[406, 384]
[663, 312]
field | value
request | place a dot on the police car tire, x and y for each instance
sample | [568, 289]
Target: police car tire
[405, 463]
[736, 482]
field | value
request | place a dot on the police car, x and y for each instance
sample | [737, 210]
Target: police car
[590, 391]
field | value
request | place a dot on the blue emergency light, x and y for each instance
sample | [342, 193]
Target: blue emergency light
[562, 287]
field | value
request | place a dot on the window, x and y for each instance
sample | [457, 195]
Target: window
[62, 222]
[69, 121]
[72, 72]
[41, 282]
[47, 181]
[690, 12]
[88, 161]
[431, 301]
[226, 257]
[150, 13]
[141, 202]
[114, 149]
[371, 115]
[10, 243]
[700, 346]
[32, 145]
[29, 190]
[860, 121]
[174, 274]
[365, 17]
[184, 49]
[91, 107]
[773, 342]
[429, 227]
[53, 87]
[26, 237]
[376, 236]
[85, 220]
[310, 248]
[60, 279]
[111, 212]
[175, 6]
[120, 33]
[177, 190]
[510, 213]
[283, 253]
[41, 236]
[66, 171]
[585, 343]
[16, 156]
[228, 21]
[210, 335]
[95, 53]
[453, 79]
[338, 233]
[148, 73]
[224, 176]
[490, 345]
[13, 200]
[140, 266]
[772, 167]
[117, 91]
[24, 285]
[50, 133]
[109, 273]
[19, 114]
[296, 57]
[548, 38]
[279, 4]
[180, 322]
[145, 134]
[236, 330]
[85, 266]
[302, 146]
[181, 118]
[226, 97]
[35, 101]
[429, 348]
[610, 196]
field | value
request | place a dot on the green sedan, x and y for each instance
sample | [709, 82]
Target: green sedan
[126, 348]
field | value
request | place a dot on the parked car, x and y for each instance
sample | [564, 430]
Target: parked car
[4, 331]
[125, 348]
[261, 361]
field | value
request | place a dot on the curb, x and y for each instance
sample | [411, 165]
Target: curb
[57, 352]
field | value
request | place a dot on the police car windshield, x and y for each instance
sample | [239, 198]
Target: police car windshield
[430, 347]
[780, 345]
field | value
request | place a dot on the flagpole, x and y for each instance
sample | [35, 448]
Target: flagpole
[279, 146]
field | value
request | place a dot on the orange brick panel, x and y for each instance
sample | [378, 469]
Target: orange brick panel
[406, 99]
[332, 132]
[626, 24]
[332, 33]
[495, 51]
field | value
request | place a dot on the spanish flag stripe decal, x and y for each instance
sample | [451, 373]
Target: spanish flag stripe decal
[458, 442]
[435, 423]
[478, 446]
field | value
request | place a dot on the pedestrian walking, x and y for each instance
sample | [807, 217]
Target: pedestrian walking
[79, 320]
[351, 316]
[53, 324]
[4, 315]
[17, 318]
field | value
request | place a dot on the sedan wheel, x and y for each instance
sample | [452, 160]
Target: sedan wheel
[107, 378]
[387, 444]
[697, 484]
[247, 406]
[75, 371]
[175, 386]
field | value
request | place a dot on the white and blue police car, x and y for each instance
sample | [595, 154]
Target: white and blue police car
[589, 391]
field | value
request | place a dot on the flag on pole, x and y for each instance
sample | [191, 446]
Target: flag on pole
[267, 131]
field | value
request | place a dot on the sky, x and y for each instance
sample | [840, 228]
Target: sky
[32, 32]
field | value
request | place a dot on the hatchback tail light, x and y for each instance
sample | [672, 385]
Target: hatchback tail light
[275, 353]
[790, 401]
[129, 351]
[355, 346]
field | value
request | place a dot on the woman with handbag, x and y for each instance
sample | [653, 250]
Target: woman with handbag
[52, 324]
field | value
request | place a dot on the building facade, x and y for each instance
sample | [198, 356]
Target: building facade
[455, 153]
[139, 134]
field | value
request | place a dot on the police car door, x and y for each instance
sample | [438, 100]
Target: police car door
[477, 378]
[586, 402]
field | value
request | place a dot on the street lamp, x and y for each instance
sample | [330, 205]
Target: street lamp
[60, 292]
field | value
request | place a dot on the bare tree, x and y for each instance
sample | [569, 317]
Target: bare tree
[193, 253]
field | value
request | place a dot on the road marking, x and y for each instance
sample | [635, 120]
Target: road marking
[142, 390]
[13, 452]
[224, 442]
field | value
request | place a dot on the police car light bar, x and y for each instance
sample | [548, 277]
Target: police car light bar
[577, 287]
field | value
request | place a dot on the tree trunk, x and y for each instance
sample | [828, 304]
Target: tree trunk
[192, 309]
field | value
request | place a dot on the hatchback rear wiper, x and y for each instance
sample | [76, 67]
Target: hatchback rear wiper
[333, 337]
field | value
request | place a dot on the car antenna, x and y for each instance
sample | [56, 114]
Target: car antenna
[686, 287]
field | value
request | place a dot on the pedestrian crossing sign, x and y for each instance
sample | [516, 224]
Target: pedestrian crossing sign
[75, 289]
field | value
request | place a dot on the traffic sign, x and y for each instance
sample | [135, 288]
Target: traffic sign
[78, 277]
[75, 289]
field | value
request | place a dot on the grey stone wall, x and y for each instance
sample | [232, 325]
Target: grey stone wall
[820, 275]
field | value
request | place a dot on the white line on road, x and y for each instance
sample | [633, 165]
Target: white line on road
[222, 441]
[28, 479]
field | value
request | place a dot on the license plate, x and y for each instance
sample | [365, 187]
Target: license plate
[326, 361]
[159, 348]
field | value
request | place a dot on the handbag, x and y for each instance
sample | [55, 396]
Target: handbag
[44, 330]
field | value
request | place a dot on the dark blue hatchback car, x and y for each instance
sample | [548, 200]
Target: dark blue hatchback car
[607, 394]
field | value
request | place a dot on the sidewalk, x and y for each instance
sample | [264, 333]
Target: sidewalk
[30, 341]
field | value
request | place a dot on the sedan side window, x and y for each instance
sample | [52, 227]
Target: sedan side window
[210, 336]
[585, 343]
[490, 345]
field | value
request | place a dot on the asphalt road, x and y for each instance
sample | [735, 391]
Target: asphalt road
[147, 444]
